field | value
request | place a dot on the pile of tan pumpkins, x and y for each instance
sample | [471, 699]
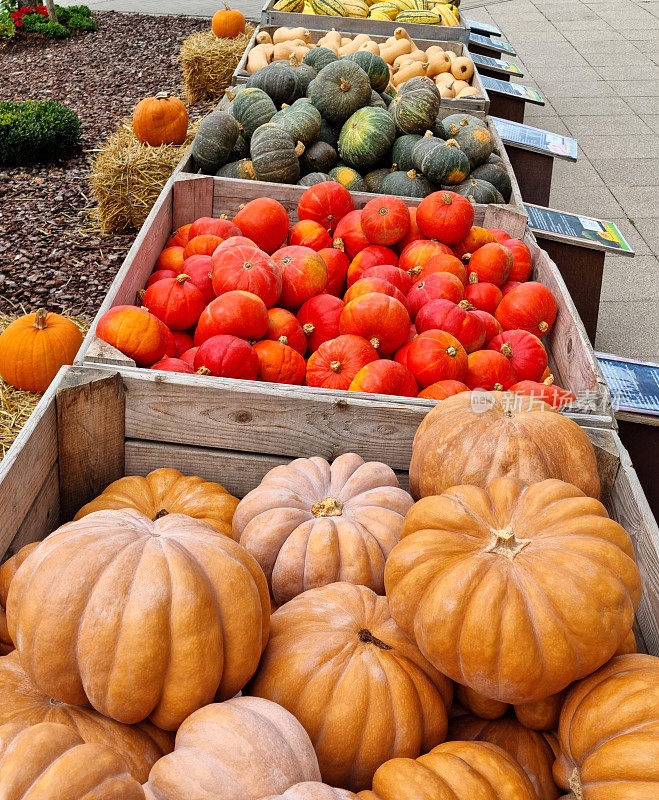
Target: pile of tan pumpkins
[451, 73]
[474, 644]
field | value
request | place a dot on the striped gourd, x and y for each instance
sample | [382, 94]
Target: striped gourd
[419, 17]
[293, 6]
[388, 8]
[420, 5]
[356, 8]
[329, 8]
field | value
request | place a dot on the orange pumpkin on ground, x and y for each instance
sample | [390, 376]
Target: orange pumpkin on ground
[533, 751]
[162, 119]
[609, 732]
[21, 702]
[34, 347]
[474, 437]
[515, 590]
[310, 523]
[453, 771]
[167, 491]
[139, 617]
[228, 23]
[362, 690]
[51, 760]
[242, 749]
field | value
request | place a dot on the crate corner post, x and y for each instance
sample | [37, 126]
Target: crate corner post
[90, 405]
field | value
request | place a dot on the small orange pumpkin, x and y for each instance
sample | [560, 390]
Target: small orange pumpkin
[34, 347]
[228, 23]
[162, 119]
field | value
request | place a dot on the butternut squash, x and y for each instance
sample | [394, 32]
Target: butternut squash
[462, 68]
[401, 33]
[458, 86]
[331, 40]
[284, 50]
[258, 57]
[289, 34]
[370, 47]
[434, 49]
[451, 55]
[446, 91]
[353, 45]
[444, 79]
[391, 52]
[468, 92]
[263, 38]
[412, 70]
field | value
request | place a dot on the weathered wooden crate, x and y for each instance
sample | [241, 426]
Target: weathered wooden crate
[96, 425]
[469, 104]
[320, 22]
[182, 201]
[187, 165]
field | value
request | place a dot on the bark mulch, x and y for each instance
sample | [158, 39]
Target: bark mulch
[46, 256]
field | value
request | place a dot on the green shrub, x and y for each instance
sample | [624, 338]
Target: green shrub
[37, 130]
[33, 22]
[7, 27]
[54, 30]
[81, 22]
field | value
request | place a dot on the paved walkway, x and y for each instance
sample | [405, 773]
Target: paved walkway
[596, 64]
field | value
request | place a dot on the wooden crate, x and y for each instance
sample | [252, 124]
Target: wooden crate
[95, 425]
[319, 22]
[468, 104]
[571, 356]
[187, 166]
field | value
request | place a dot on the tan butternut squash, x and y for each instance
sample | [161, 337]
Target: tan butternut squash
[468, 91]
[331, 40]
[412, 70]
[258, 57]
[398, 48]
[458, 86]
[290, 34]
[437, 64]
[444, 79]
[263, 38]
[370, 47]
[446, 91]
[434, 49]
[451, 55]
[463, 68]
[352, 45]
[401, 33]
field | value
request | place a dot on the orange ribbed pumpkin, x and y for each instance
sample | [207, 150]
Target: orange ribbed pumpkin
[34, 347]
[228, 23]
[162, 119]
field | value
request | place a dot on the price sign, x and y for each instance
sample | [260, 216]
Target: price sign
[536, 139]
[482, 27]
[634, 385]
[490, 44]
[496, 64]
[527, 93]
[561, 226]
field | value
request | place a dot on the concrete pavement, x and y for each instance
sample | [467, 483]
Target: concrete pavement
[596, 64]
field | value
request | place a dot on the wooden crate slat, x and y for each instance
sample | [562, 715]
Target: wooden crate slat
[42, 518]
[191, 200]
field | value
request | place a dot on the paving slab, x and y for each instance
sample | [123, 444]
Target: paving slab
[592, 201]
[629, 328]
[631, 278]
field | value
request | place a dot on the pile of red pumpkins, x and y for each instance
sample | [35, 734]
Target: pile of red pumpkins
[387, 299]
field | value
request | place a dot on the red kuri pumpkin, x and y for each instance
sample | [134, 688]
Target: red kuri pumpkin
[509, 286]
[304, 275]
[248, 269]
[491, 324]
[179, 342]
[214, 226]
[530, 306]
[525, 352]
[385, 220]
[337, 263]
[319, 318]
[371, 256]
[484, 296]
[199, 270]
[522, 265]
[227, 357]
[418, 253]
[489, 369]
[385, 377]
[365, 285]
[135, 332]
[309, 233]
[232, 241]
[492, 263]
[476, 238]
[457, 320]
[412, 235]
[168, 364]
[189, 356]
[400, 279]
[159, 275]
[443, 389]
[554, 395]
[445, 216]
[279, 363]
[265, 222]
[348, 234]
[180, 237]
[283, 326]
[176, 301]
[382, 320]
[203, 245]
[238, 313]
[326, 203]
[435, 286]
[335, 363]
[499, 234]
[171, 258]
[444, 262]
[436, 356]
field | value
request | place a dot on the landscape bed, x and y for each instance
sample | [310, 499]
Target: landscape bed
[469, 104]
[571, 358]
[94, 426]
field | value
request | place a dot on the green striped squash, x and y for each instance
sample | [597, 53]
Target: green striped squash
[416, 106]
[366, 137]
[292, 6]
[349, 178]
[419, 17]
[252, 108]
[329, 8]
[374, 66]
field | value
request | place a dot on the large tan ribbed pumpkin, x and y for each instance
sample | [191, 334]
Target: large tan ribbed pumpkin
[609, 732]
[534, 752]
[514, 591]
[474, 437]
[453, 771]
[141, 618]
[364, 693]
[139, 745]
[309, 524]
[51, 762]
[167, 491]
[312, 790]
[242, 749]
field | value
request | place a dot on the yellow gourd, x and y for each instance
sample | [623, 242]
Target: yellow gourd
[437, 64]
[463, 68]
[290, 34]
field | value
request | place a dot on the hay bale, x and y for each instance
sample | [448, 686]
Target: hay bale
[16, 405]
[127, 178]
[209, 63]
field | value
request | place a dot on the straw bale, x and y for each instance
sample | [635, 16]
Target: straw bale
[209, 62]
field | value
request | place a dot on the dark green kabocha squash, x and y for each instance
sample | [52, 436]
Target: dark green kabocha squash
[329, 133]
[386, 98]
[319, 57]
[374, 66]
[319, 157]
[377, 101]
[416, 105]
[462, 120]
[240, 149]
[339, 90]
[441, 162]
[278, 81]
[497, 175]
[243, 169]
[401, 152]
[312, 178]
[231, 93]
[252, 108]
[302, 120]
[477, 191]
[406, 184]
[304, 73]
[439, 129]
[215, 140]
[366, 137]
[349, 178]
[374, 178]
[275, 154]
[476, 143]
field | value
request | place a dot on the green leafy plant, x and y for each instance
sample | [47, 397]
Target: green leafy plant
[36, 130]
[81, 22]
[53, 30]
[7, 27]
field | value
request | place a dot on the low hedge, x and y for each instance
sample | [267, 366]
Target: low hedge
[36, 130]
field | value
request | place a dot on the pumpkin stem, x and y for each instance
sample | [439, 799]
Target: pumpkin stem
[507, 350]
[338, 244]
[446, 198]
[420, 285]
[139, 296]
[203, 371]
[54, 702]
[329, 507]
[231, 95]
[465, 305]
[504, 543]
[427, 134]
[453, 129]
[498, 387]
[367, 637]
[162, 95]
[575, 784]
[549, 380]
[308, 328]
[414, 271]
[335, 366]
[451, 351]
[40, 319]
[247, 265]
[182, 278]
[473, 277]
[543, 327]
[452, 143]
[162, 513]
[293, 60]
[375, 342]
[299, 149]
[283, 339]
[464, 121]
[412, 174]
[345, 85]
